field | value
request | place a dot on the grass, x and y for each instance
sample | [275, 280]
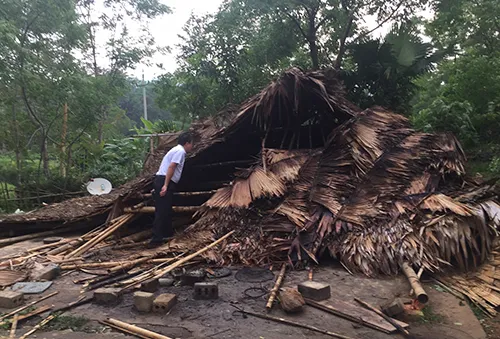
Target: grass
[70, 322]
[430, 317]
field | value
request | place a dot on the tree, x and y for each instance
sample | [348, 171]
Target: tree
[385, 69]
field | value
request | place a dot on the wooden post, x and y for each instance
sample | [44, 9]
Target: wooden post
[383, 315]
[415, 283]
[276, 287]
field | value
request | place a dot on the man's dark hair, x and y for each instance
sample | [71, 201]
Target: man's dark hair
[185, 138]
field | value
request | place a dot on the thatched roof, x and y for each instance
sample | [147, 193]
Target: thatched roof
[300, 171]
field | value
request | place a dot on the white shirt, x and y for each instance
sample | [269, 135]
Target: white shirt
[175, 155]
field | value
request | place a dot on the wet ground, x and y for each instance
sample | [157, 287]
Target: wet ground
[446, 316]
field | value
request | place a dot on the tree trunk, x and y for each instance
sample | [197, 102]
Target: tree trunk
[62, 158]
[313, 51]
[342, 46]
[312, 40]
[45, 154]
[17, 148]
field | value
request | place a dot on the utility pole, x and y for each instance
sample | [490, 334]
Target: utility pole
[145, 101]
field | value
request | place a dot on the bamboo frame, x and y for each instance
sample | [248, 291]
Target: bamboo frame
[276, 287]
[415, 283]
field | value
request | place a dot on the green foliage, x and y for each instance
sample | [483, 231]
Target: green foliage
[119, 160]
[385, 69]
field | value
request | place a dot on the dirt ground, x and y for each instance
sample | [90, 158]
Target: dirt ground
[445, 316]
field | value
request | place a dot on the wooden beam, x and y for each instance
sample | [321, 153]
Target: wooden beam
[151, 209]
[225, 163]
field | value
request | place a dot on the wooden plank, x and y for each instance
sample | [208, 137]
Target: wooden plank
[355, 314]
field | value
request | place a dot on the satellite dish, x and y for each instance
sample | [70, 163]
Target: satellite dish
[99, 186]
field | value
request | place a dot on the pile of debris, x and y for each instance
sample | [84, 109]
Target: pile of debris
[294, 172]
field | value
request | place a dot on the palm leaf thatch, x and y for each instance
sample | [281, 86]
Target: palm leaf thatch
[320, 175]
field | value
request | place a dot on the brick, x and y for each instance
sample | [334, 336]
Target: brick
[150, 286]
[164, 303]
[206, 290]
[11, 299]
[166, 282]
[107, 296]
[48, 273]
[143, 301]
[314, 290]
[394, 308]
[192, 277]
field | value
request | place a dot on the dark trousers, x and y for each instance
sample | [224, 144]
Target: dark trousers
[162, 226]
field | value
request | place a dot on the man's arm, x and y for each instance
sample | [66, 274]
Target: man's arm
[168, 177]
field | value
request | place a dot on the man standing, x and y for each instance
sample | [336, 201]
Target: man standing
[165, 184]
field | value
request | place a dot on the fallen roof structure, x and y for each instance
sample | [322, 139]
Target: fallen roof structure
[297, 171]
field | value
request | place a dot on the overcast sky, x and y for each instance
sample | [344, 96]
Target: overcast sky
[166, 29]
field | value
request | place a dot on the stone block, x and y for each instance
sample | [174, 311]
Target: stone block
[107, 296]
[166, 282]
[11, 299]
[314, 290]
[206, 290]
[394, 308]
[164, 303]
[143, 301]
[47, 273]
[150, 286]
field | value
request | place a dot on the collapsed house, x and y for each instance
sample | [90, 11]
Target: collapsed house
[298, 172]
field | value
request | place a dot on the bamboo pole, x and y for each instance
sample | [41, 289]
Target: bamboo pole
[13, 240]
[20, 309]
[415, 283]
[13, 327]
[293, 323]
[54, 244]
[276, 287]
[383, 315]
[151, 209]
[38, 326]
[135, 329]
[160, 273]
[339, 313]
[123, 330]
[119, 222]
[65, 247]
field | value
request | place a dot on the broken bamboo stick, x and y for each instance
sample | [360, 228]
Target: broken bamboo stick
[14, 327]
[151, 209]
[275, 289]
[20, 309]
[118, 222]
[161, 272]
[415, 283]
[383, 315]
[134, 329]
[293, 323]
[38, 326]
